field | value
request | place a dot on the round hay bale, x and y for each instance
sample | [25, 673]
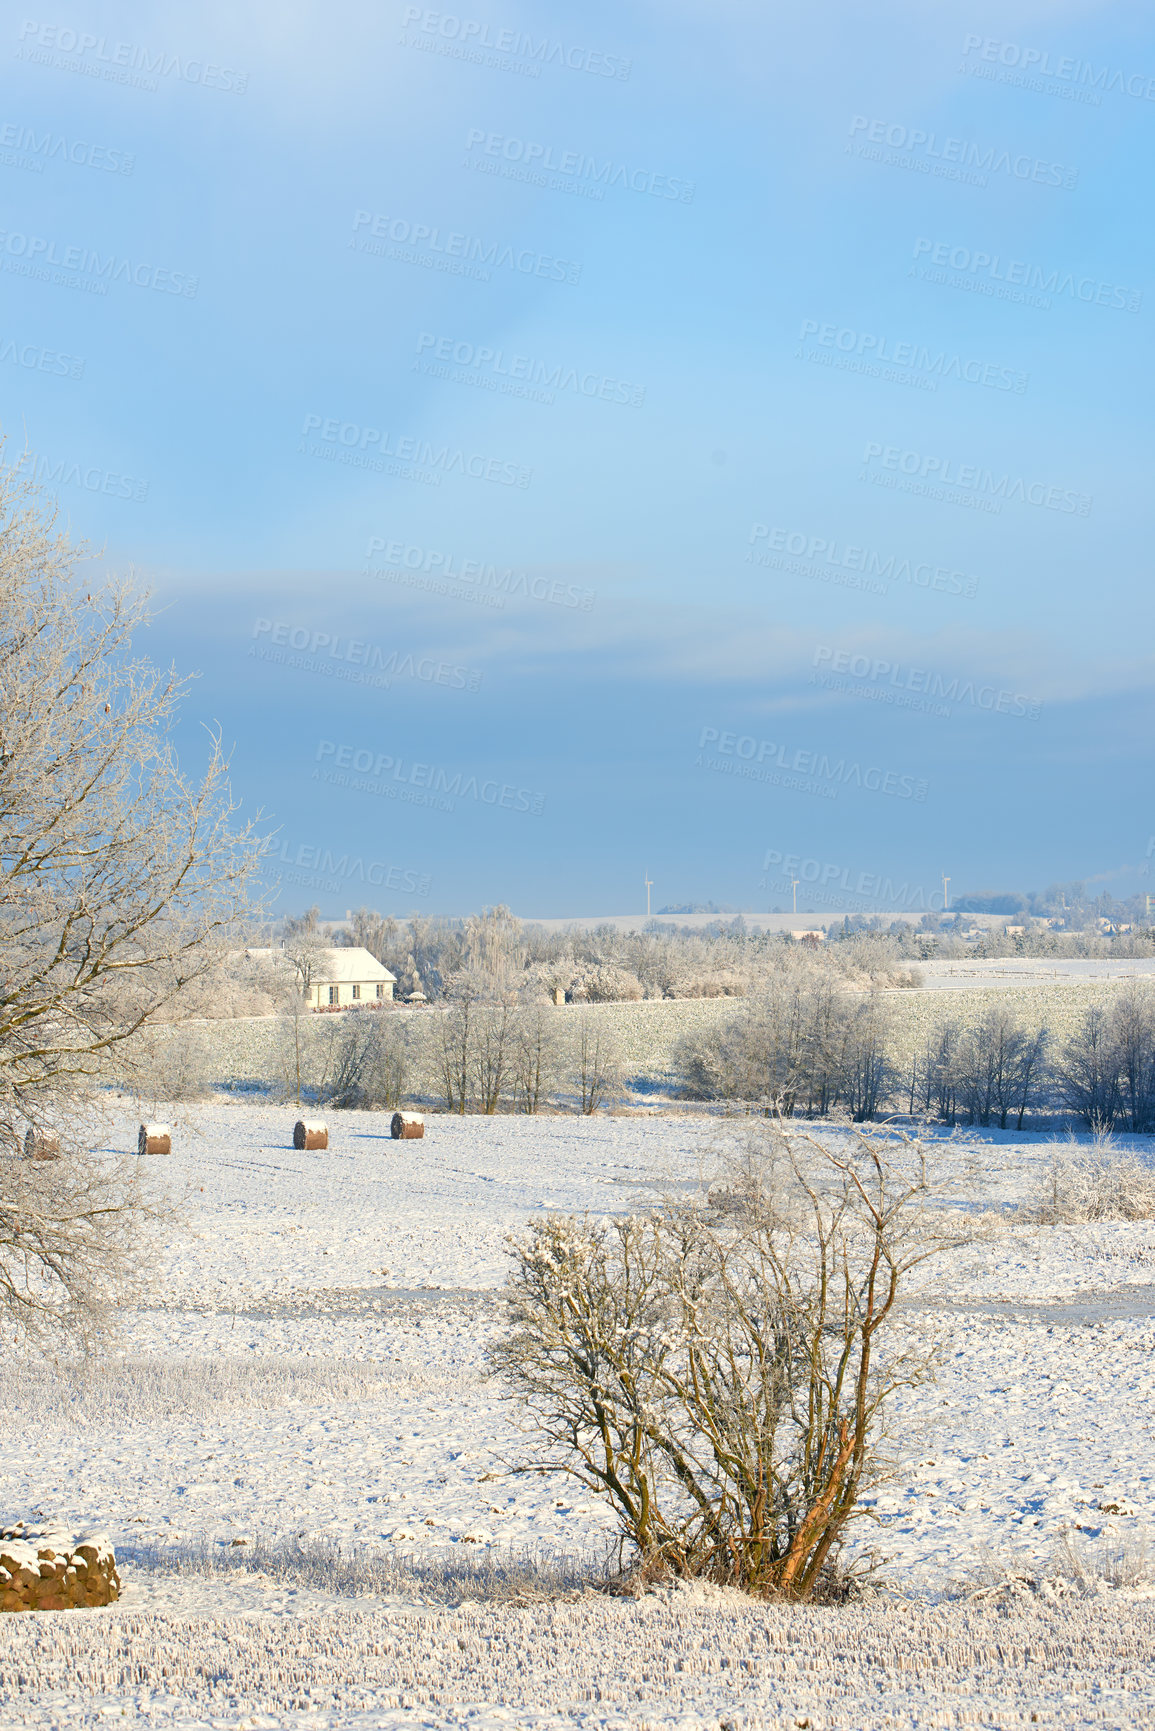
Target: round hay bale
[309, 1133]
[41, 1145]
[406, 1125]
[154, 1139]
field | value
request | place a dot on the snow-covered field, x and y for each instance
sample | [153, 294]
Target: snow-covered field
[978, 975]
[309, 1370]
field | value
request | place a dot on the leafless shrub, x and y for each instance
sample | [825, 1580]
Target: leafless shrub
[358, 1060]
[172, 1064]
[1095, 1181]
[719, 1370]
[605, 983]
[1122, 1564]
[369, 1063]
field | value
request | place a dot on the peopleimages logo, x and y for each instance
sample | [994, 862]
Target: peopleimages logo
[441, 573]
[42, 147]
[812, 555]
[827, 878]
[354, 658]
[81, 267]
[38, 359]
[1039, 63]
[971, 478]
[993, 273]
[476, 40]
[370, 447]
[89, 477]
[950, 158]
[321, 862]
[416, 783]
[916, 687]
[459, 254]
[487, 368]
[931, 364]
[806, 769]
[98, 57]
[573, 165]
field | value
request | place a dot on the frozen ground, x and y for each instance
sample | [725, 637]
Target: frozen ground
[310, 1368]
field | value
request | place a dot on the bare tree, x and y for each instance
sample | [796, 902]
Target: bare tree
[720, 1370]
[120, 880]
[942, 1072]
[597, 1072]
[1088, 1071]
[302, 946]
[493, 1030]
[987, 1060]
[1133, 1037]
[867, 1077]
[534, 1056]
[454, 1042]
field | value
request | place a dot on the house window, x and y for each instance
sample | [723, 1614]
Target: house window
[356, 991]
[333, 990]
[380, 991]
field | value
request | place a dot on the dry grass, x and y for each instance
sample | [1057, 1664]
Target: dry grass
[446, 1575]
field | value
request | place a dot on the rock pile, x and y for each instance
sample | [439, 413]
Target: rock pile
[42, 1569]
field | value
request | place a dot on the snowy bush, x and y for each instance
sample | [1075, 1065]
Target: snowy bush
[718, 1370]
[1094, 1182]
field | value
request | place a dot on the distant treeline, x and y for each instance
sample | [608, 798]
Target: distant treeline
[805, 1047]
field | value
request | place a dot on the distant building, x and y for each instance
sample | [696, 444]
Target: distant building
[338, 979]
[343, 979]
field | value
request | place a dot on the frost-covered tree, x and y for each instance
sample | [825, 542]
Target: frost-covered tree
[120, 880]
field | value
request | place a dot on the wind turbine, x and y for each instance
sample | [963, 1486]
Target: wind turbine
[649, 883]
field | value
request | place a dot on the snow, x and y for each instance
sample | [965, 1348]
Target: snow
[981, 973]
[309, 1370]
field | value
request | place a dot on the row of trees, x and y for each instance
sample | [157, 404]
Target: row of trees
[500, 954]
[479, 1056]
[807, 1047]
[492, 955]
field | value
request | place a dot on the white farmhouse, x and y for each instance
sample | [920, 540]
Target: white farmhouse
[342, 979]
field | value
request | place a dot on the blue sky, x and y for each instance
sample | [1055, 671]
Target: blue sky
[575, 442]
